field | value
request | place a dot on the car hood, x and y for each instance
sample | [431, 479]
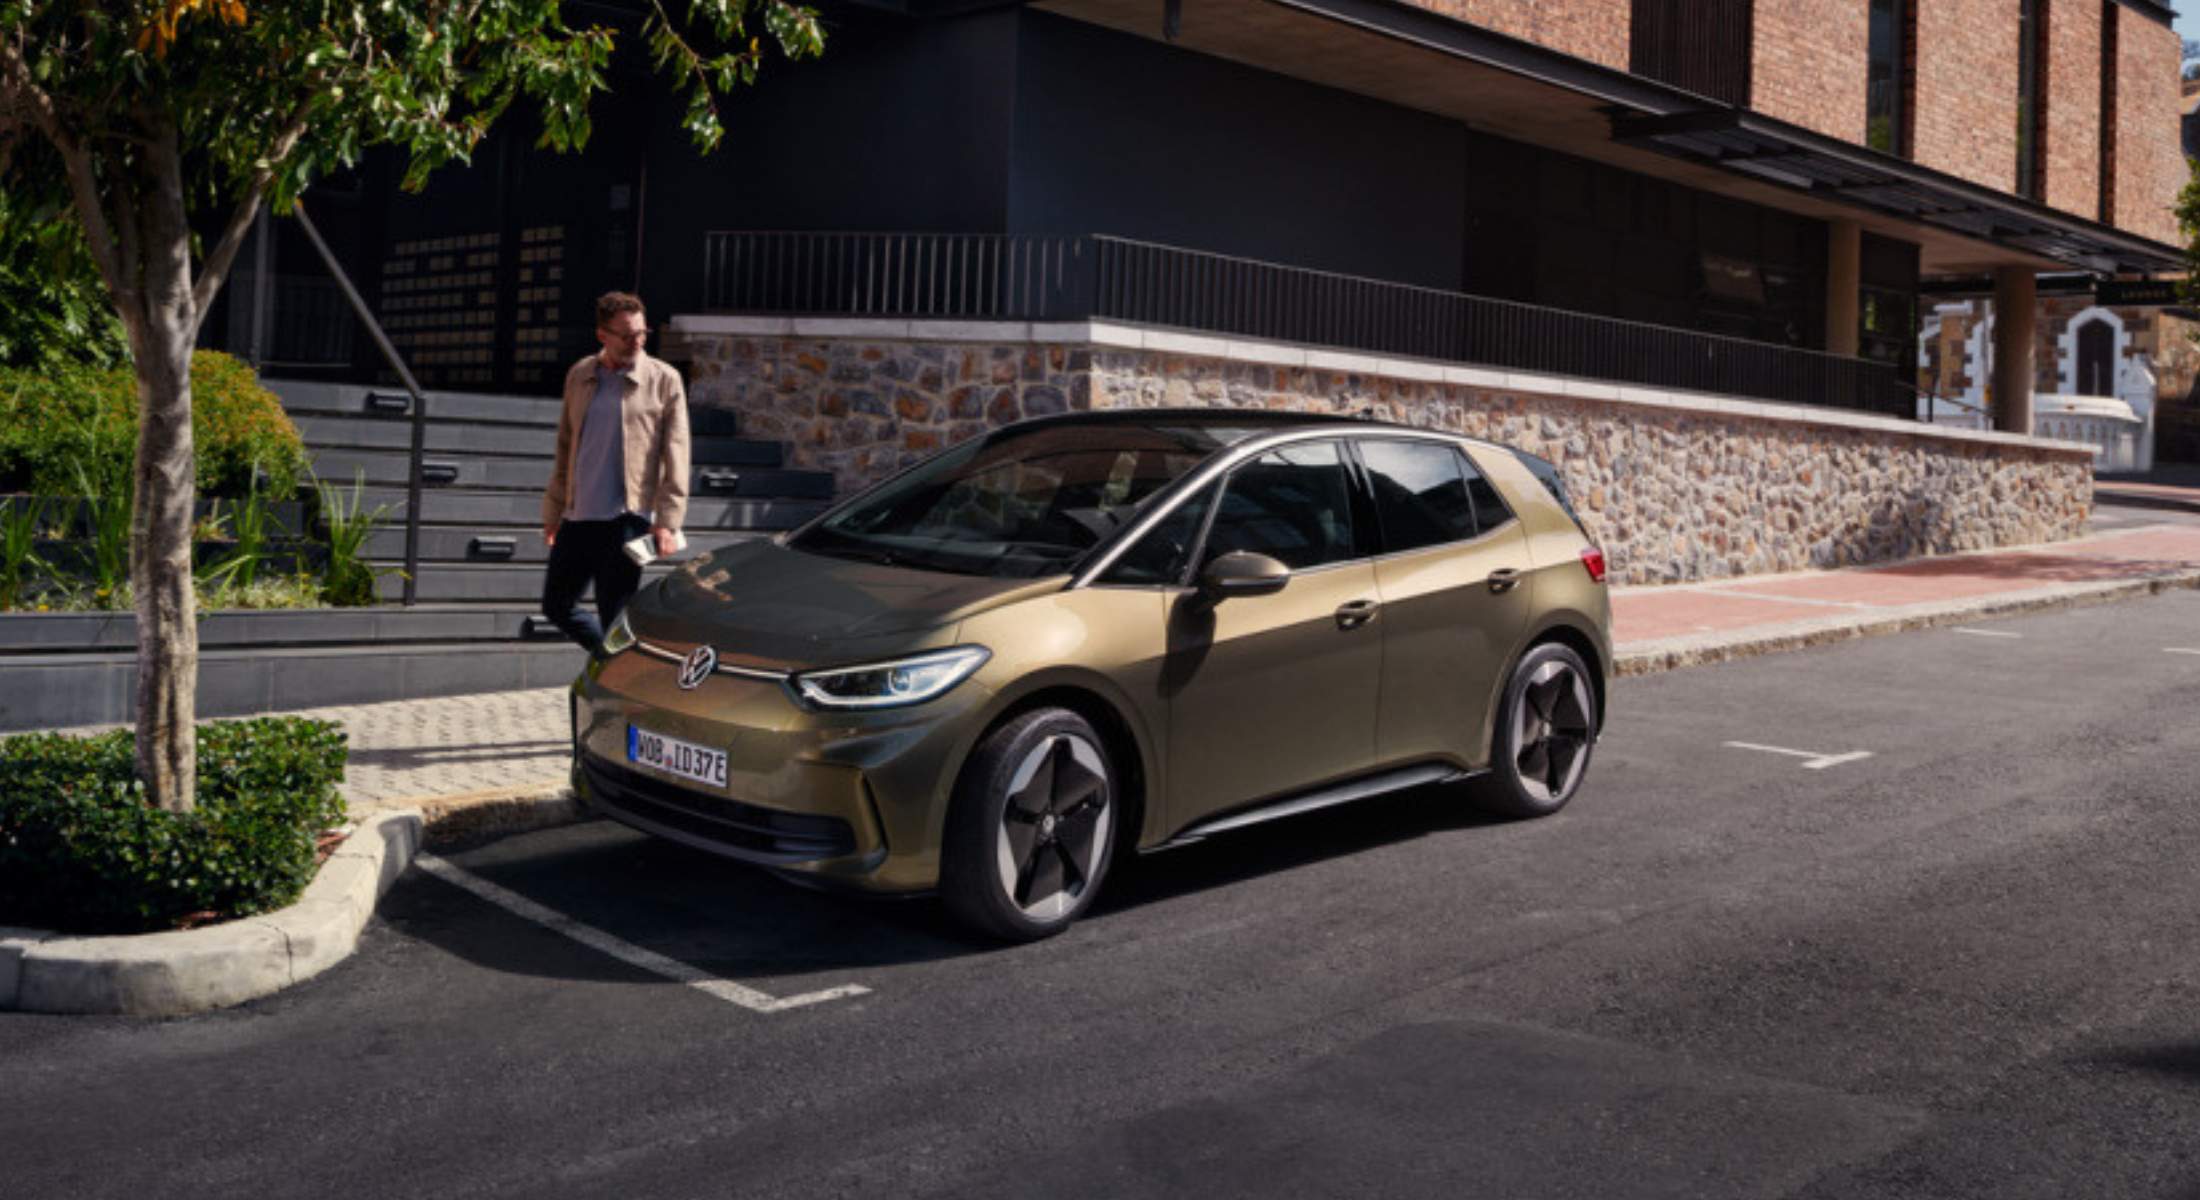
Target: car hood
[764, 602]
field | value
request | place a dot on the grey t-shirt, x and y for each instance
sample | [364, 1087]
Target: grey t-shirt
[599, 462]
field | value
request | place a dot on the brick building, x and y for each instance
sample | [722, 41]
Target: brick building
[2091, 341]
[972, 210]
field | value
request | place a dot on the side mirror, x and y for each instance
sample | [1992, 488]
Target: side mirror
[1242, 573]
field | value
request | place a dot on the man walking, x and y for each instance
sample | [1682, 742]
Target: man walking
[621, 472]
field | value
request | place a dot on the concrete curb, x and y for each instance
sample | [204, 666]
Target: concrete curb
[189, 971]
[2116, 496]
[497, 812]
[1666, 654]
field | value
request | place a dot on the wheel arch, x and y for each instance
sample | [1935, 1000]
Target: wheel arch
[1126, 751]
[1582, 643]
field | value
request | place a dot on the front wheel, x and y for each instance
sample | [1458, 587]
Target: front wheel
[1546, 726]
[1031, 830]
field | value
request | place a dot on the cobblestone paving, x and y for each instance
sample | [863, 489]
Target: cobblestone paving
[416, 749]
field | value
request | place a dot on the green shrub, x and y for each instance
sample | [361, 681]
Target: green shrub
[57, 418]
[80, 850]
[348, 580]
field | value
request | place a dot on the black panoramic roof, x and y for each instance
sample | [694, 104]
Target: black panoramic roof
[1266, 420]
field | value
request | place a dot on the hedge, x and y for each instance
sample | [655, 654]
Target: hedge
[53, 421]
[82, 852]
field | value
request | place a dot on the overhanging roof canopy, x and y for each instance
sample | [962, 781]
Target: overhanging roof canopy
[1406, 54]
[1780, 153]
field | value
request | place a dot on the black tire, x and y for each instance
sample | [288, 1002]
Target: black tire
[1544, 732]
[1031, 829]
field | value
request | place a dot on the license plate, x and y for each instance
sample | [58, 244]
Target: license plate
[675, 757]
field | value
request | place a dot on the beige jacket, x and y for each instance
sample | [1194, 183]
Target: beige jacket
[656, 442]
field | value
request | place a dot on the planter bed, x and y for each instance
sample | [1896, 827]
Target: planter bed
[64, 633]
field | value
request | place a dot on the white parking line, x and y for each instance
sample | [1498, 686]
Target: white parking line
[625, 951]
[1986, 632]
[2179, 650]
[1818, 762]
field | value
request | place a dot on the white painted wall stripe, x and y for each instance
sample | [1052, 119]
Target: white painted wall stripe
[623, 950]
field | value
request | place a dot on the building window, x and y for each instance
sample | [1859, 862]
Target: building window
[2030, 26]
[1701, 47]
[2109, 35]
[1885, 114]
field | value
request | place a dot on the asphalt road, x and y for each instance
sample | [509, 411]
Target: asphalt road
[1967, 964]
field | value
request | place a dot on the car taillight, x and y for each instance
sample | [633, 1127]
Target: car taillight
[1592, 560]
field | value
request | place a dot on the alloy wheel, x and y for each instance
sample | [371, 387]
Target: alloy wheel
[1054, 827]
[1552, 726]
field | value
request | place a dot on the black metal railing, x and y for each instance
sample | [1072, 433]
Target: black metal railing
[1092, 277]
[943, 275]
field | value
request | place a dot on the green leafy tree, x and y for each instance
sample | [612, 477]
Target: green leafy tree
[2188, 224]
[53, 308]
[135, 114]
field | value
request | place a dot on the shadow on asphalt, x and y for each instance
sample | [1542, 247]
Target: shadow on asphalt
[2179, 1060]
[742, 923]
[1284, 845]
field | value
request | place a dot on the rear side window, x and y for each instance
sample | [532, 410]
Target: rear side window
[1548, 474]
[1489, 507]
[1421, 495]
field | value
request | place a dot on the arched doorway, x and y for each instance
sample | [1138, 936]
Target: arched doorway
[2096, 358]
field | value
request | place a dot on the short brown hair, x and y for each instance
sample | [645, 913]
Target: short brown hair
[612, 304]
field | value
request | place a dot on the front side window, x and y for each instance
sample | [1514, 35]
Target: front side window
[1420, 493]
[1293, 504]
[1161, 555]
[1025, 505]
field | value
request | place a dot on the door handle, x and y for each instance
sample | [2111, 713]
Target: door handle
[1504, 579]
[1355, 613]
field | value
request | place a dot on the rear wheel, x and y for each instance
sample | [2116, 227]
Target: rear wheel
[1031, 830]
[1546, 727]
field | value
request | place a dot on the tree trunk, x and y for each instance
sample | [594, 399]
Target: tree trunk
[166, 491]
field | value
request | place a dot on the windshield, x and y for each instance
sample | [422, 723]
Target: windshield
[1020, 506]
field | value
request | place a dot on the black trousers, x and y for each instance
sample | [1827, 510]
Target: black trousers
[588, 552]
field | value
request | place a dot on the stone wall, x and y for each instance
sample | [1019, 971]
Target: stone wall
[1675, 488]
[864, 409]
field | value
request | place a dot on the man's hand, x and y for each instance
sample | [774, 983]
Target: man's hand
[549, 537]
[665, 545]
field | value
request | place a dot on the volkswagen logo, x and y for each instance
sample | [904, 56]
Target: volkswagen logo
[701, 661]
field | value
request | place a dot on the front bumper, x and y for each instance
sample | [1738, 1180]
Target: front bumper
[851, 798]
[744, 831]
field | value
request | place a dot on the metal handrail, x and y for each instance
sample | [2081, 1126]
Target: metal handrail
[396, 363]
[1012, 277]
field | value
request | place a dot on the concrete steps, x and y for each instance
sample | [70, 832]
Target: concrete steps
[480, 546]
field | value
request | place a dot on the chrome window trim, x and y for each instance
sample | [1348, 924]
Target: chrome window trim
[1221, 464]
[655, 651]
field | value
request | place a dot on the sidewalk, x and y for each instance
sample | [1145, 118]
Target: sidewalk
[498, 759]
[2173, 486]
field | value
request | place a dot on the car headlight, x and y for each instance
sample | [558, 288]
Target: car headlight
[619, 637]
[912, 680]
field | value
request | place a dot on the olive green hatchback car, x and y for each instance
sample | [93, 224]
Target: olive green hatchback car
[1083, 636]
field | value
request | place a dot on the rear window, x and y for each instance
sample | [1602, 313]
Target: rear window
[1548, 473]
